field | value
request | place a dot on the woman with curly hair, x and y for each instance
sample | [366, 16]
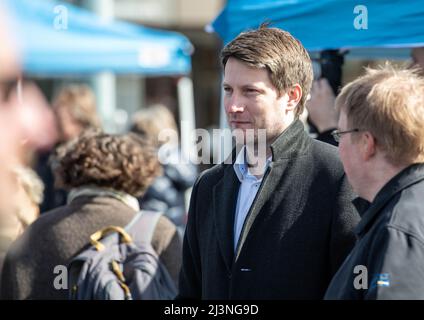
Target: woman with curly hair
[104, 174]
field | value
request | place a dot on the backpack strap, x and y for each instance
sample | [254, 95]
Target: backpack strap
[143, 225]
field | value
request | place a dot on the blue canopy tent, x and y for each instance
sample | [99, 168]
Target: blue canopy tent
[58, 39]
[330, 24]
[368, 29]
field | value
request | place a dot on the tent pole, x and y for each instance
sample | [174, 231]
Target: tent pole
[187, 115]
[188, 123]
[105, 83]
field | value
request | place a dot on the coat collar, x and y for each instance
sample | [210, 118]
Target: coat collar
[291, 143]
[401, 181]
[93, 191]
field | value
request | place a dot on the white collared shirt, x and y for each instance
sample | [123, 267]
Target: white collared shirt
[249, 186]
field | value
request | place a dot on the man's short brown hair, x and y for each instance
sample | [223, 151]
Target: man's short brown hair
[389, 103]
[284, 57]
[125, 163]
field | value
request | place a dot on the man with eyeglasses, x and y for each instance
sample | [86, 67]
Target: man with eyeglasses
[337, 133]
[381, 144]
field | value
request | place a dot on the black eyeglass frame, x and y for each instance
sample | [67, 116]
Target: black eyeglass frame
[337, 133]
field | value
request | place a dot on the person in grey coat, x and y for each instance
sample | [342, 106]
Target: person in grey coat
[275, 220]
[382, 148]
[104, 173]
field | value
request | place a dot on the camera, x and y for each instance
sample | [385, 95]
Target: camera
[329, 66]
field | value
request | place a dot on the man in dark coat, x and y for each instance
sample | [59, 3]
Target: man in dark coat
[382, 149]
[274, 221]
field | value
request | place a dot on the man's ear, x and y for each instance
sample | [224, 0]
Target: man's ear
[294, 95]
[368, 146]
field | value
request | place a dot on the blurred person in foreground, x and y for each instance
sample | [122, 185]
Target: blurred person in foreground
[9, 54]
[104, 173]
[381, 133]
[26, 123]
[75, 112]
[167, 192]
[27, 196]
[276, 223]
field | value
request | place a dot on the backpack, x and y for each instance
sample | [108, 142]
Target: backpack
[122, 265]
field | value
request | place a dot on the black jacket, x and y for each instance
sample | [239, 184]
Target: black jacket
[167, 192]
[390, 245]
[298, 230]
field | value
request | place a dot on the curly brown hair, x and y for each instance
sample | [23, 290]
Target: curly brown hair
[122, 162]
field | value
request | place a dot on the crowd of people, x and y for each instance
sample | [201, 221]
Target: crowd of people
[292, 223]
